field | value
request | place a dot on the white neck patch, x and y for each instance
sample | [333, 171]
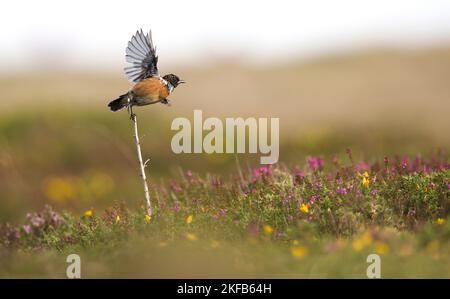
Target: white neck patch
[169, 86]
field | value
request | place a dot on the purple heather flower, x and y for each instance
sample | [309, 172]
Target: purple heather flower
[56, 219]
[194, 202]
[341, 191]
[223, 212]
[176, 206]
[216, 183]
[448, 186]
[404, 162]
[36, 220]
[418, 164]
[317, 185]
[313, 199]
[315, 163]
[362, 166]
[299, 175]
[175, 187]
[264, 170]
[27, 228]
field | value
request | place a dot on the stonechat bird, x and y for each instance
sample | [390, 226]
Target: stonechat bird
[150, 87]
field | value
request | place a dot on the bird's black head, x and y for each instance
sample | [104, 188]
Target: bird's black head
[173, 80]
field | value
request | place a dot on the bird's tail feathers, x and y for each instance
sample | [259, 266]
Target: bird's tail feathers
[120, 102]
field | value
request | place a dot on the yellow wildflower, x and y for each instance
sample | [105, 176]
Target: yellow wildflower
[299, 252]
[268, 230]
[89, 213]
[366, 174]
[189, 219]
[191, 237]
[304, 208]
[357, 245]
[117, 218]
[365, 182]
[295, 242]
[59, 189]
[99, 184]
[381, 248]
[440, 221]
[148, 218]
[362, 242]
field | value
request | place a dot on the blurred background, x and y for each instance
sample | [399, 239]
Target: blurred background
[368, 75]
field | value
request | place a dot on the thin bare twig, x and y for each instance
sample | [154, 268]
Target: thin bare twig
[141, 163]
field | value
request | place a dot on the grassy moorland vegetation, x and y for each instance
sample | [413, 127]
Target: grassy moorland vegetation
[270, 222]
[363, 169]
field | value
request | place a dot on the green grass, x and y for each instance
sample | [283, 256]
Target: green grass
[320, 220]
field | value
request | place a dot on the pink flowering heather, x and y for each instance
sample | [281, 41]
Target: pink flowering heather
[341, 191]
[299, 176]
[175, 187]
[27, 228]
[405, 162]
[223, 212]
[217, 183]
[362, 166]
[264, 170]
[313, 199]
[315, 163]
[176, 207]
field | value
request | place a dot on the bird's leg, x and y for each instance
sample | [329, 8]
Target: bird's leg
[130, 110]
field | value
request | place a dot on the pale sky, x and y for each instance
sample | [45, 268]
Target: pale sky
[94, 34]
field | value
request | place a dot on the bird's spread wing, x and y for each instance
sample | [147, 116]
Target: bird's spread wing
[141, 54]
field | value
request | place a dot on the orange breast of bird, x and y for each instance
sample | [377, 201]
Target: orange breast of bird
[152, 88]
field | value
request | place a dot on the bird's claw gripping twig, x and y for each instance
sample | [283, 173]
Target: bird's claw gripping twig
[130, 111]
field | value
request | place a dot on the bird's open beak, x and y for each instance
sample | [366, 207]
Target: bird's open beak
[181, 81]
